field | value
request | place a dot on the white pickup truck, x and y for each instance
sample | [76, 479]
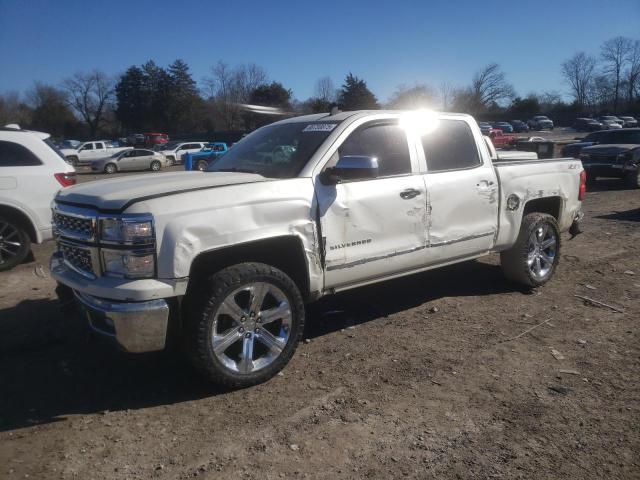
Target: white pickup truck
[225, 260]
[90, 151]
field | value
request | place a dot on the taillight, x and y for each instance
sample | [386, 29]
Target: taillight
[66, 179]
[583, 185]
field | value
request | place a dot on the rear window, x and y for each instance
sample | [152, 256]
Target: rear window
[15, 155]
[450, 147]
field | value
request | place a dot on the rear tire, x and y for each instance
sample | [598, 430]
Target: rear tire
[243, 324]
[14, 243]
[633, 179]
[202, 165]
[533, 258]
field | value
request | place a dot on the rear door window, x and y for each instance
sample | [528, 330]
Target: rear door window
[451, 146]
[15, 155]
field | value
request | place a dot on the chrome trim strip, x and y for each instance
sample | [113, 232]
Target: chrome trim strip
[462, 239]
[411, 250]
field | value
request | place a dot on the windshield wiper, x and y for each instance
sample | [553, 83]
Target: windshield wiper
[235, 169]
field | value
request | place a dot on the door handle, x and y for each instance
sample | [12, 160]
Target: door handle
[485, 183]
[409, 193]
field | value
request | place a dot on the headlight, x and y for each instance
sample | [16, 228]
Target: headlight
[127, 230]
[128, 264]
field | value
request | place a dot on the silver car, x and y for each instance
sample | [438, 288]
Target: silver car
[137, 159]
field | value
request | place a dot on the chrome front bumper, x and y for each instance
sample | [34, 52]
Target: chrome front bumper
[136, 326]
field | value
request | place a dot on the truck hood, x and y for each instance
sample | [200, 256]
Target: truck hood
[115, 195]
[610, 149]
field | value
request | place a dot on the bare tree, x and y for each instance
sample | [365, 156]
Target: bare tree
[13, 109]
[325, 90]
[578, 71]
[489, 86]
[409, 98]
[228, 88]
[88, 95]
[446, 94]
[633, 72]
[615, 53]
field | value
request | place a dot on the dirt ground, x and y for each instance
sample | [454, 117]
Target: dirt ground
[424, 377]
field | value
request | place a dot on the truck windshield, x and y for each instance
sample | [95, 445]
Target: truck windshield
[275, 151]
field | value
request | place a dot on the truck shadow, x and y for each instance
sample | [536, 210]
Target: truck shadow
[51, 368]
[380, 300]
[632, 215]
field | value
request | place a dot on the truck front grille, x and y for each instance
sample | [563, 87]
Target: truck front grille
[74, 226]
[79, 258]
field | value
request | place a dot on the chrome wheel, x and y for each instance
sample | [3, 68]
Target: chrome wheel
[155, 166]
[542, 251]
[10, 244]
[251, 327]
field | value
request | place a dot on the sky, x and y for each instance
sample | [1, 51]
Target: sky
[387, 43]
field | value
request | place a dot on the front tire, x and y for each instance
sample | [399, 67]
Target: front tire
[110, 168]
[155, 166]
[534, 257]
[244, 324]
[14, 243]
[74, 161]
[202, 165]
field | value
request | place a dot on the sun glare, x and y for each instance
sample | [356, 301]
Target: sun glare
[420, 122]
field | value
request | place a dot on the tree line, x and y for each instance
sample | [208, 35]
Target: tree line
[150, 97]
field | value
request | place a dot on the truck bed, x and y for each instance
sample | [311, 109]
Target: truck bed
[553, 181]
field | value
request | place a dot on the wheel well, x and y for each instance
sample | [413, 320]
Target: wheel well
[21, 218]
[549, 205]
[285, 253]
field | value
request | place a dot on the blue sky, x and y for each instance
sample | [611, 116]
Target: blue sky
[385, 42]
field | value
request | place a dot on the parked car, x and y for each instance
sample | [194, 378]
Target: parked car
[540, 122]
[617, 160]
[610, 119]
[32, 171]
[210, 152]
[485, 127]
[175, 150]
[72, 144]
[610, 124]
[153, 139]
[136, 159]
[89, 151]
[135, 139]
[587, 125]
[519, 126]
[629, 122]
[501, 139]
[504, 126]
[223, 262]
[604, 137]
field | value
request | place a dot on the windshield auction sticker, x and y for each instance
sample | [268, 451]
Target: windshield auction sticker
[320, 127]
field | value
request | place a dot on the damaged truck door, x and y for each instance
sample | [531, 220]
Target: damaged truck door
[373, 223]
[462, 191]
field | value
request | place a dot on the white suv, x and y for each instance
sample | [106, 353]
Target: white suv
[174, 151]
[32, 171]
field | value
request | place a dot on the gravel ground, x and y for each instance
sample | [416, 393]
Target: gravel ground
[426, 376]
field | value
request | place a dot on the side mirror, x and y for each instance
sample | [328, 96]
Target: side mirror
[351, 167]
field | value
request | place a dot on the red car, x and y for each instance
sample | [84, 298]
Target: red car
[152, 139]
[502, 140]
